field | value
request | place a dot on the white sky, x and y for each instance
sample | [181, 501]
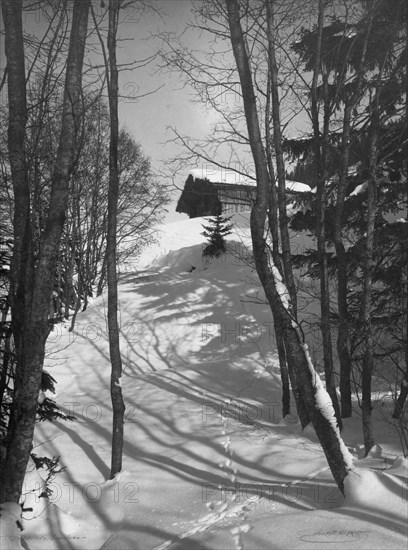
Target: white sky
[149, 118]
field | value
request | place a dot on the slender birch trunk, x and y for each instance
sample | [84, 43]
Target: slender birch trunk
[111, 254]
[278, 220]
[273, 222]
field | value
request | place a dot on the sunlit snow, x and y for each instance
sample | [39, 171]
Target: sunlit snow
[208, 461]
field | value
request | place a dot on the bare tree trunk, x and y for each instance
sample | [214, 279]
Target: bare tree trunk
[274, 230]
[403, 394]
[280, 164]
[368, 359]
[277, 205]
[32, 323]
[114, 348]
[342, 278]
[275, 290]
[402, 397]
[320, 149]
[22, 260]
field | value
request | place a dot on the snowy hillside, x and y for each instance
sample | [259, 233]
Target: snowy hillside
[208, 461]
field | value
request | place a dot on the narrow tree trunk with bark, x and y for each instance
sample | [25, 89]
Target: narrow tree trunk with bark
[368, 359]
[112, 278]
[278, 221]
[273, 222]
[402, 397]
[32, 323]
[342, 278]
[280, 163]
[275, 290]
[403, 394]
[21, 274]
[320, 151]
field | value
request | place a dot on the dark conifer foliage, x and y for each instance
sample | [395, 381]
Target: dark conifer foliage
[216, 231]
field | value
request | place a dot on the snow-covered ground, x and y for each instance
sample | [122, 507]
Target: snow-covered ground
[208, 461]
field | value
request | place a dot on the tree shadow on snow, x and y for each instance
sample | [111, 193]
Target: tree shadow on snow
[194, 369]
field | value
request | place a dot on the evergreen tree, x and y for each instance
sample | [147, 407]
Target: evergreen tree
[218, 228]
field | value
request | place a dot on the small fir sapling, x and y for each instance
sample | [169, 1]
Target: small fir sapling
[217, 229]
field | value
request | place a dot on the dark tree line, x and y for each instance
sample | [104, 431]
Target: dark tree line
[356, 161]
